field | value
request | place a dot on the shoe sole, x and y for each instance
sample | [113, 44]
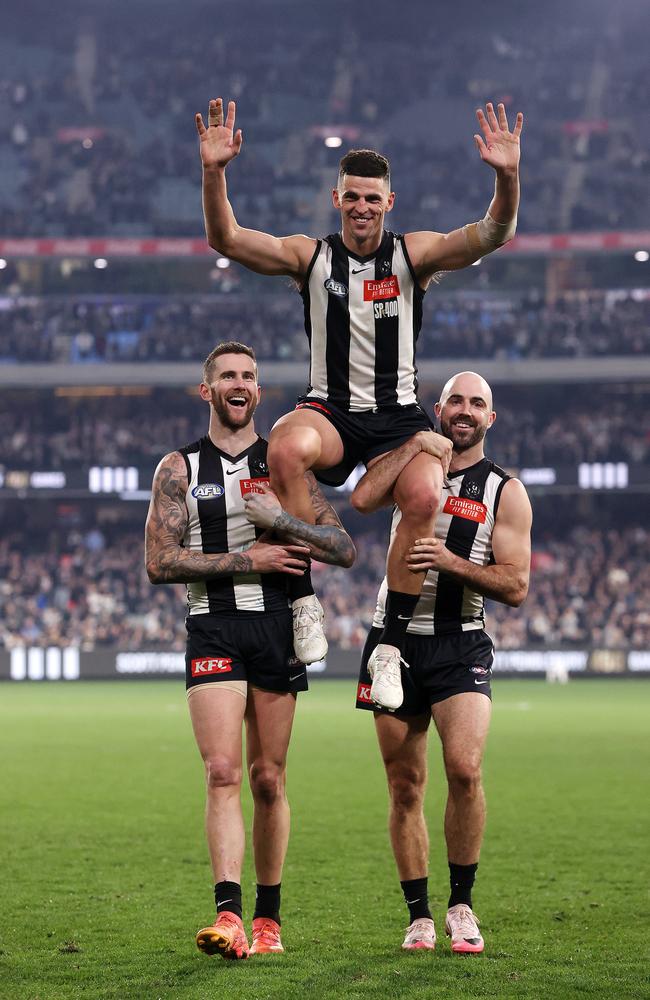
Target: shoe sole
[418, 946]
[211, 942]
[266, 951]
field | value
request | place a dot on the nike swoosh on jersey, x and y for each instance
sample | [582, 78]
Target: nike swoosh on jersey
[481, 682]
[360, 269]
[231, 472]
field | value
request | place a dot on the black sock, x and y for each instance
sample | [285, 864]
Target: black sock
[301, 586]
[461, 880]
[416, 895]
[399, 611]
[267, 902]
[227, 896]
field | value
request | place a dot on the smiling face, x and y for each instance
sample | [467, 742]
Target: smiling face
[363, 202]
[232, 390]
[465, 410]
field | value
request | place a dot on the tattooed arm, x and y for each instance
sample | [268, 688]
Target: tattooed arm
[327, 539]
[167, 561]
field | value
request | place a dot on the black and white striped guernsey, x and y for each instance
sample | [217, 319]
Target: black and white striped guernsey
[217, 486]
[465, 522]
[362, 318]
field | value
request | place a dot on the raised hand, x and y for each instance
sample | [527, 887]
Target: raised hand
[218, 143]
[499, 146]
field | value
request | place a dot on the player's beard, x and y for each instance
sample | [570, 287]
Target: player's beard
[463, 443]
[240, 418]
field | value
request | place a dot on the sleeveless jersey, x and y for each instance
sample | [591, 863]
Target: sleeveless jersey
[362, 318]
[465, 522]
[217, 486]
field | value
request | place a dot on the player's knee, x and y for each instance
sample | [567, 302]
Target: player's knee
[221, 772]
[291, 454]
[267, 782]
[464, 775]
[420, 503]
[406, 785]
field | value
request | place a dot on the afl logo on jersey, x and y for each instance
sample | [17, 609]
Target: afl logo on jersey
[336, 287]
[208, 491]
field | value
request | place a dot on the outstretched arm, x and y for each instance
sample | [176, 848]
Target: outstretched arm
[375, 488]
[219, 144]
[167, 561]
[507, 579]
[327, 539]
[499, 148]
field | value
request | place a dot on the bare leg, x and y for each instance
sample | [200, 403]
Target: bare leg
[403, 745]
[269, 718]
[300, 441]
[217, 717]
[463, 722]
[417, 493]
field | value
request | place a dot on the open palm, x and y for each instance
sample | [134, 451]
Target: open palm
[219, 143]
[499, 146]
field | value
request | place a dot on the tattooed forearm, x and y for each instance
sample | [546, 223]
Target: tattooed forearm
[178, 565]
[328, 543]
[166, 559]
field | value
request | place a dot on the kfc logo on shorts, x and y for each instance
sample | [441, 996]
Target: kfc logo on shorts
[471, 510]
[363, 694]
[387, 288]
[211, 665]
[252, 485]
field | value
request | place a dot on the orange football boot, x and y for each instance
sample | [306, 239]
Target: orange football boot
[266, 937]
[225, 937]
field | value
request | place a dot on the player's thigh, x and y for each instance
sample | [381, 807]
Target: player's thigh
[419, 484]
[269, 720]
[403, 746]
[217, 714]
[312, 434]
[463, 721]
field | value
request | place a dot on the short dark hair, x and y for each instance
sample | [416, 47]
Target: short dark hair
[227, 347]
[364, 163]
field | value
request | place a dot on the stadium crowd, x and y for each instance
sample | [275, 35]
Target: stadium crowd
[97, 163]
[87, 586]
[539, 425]
[128, 329]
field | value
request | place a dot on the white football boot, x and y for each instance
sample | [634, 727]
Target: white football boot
[384, 670]
[309, 642]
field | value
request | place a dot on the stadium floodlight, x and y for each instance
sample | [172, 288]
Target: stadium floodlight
[642, 256]
[333, 141]
[3, 263]
[87, 143]
[222, 262]
[100, 263]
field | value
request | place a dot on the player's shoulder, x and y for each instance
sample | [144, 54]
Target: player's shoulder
[513, 498]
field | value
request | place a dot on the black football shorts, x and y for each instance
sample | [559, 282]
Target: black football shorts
[439, 666]
[365, 434]
[250, 646]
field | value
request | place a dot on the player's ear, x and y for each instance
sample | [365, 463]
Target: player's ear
[204, 392]
[336, 200]
[259, 394]
[437, 409]
[391, 201]
[491, 418]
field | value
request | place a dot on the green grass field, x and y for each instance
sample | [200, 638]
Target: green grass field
[106, 879]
